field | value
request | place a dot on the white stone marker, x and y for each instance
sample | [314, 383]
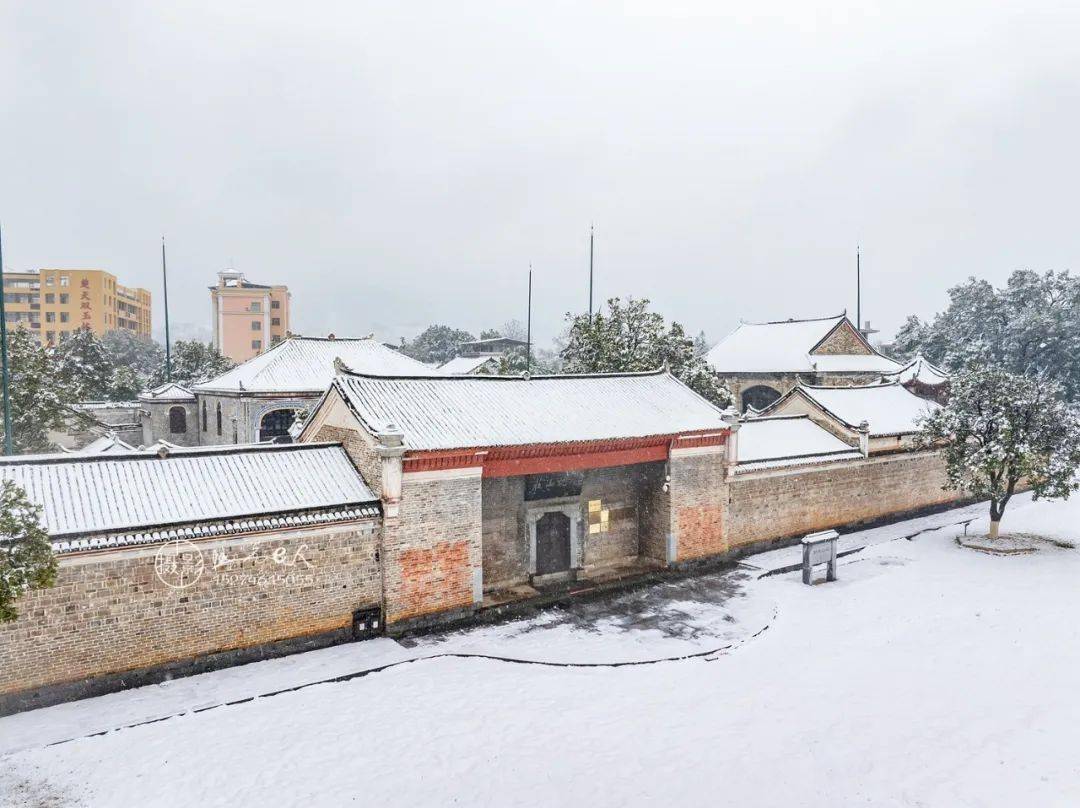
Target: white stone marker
[819, 548]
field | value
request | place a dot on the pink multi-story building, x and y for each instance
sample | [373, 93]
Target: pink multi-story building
[247, 318]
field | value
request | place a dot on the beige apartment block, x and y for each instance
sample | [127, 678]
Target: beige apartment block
[52, 303]
[247, 318]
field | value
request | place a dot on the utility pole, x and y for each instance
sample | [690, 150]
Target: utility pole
[590, 270]
[9, 448]
[528, 327]
[858, 291]
[168, 342]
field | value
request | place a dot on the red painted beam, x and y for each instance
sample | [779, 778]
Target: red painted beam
[515, 467]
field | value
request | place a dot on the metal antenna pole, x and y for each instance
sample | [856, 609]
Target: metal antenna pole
[858, 290]
[168, 342]
[590, 270]
[528, 327]
[9, 448]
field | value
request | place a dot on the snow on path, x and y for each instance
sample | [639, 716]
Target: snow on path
[927, 675]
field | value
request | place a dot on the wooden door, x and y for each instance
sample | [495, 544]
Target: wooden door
[552, 543]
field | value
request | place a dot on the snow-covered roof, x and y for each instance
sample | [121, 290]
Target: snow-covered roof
[890, 409]
[452, 412]
[97, 494]
[919, 370]
[170, 391]
[464, 365]
[785, 346]
[789, 440]
[106, 444]
[306, 365]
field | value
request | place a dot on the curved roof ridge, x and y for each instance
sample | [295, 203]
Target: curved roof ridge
[797, 320]
[345, 370]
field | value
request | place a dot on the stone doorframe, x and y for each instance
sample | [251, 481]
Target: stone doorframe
[571, 506]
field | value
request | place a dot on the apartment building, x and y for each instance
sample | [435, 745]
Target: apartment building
[247, 318]
[51, 303]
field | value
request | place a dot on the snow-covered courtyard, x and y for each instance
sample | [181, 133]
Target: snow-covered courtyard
[928, 675]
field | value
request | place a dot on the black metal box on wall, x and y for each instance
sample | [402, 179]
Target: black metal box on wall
[367, 623]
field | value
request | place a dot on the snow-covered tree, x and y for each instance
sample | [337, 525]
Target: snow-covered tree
[1001, 428]
[84, 367]
[26, 556]
[39, 397]
[135, 361]
[628, 337]
[193, 362]
[1031, 326]
[512, 363]
[435, 344]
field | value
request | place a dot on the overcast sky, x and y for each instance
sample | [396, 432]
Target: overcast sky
[401, 163]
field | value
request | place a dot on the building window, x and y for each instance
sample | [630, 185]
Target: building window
[256, 344]
[50, 316]
[275, 321]
[50, 297]
[204, 416]
[177, 420]
[64, 316]
[256, 325]
[65, 280]
[219, 418]
[255, 307]
[50, 337]
[759, 397]
[64, 297]
[50, 280]
[275, 304]
[274, 426]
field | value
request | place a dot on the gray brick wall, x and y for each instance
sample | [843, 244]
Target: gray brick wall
[109, 612]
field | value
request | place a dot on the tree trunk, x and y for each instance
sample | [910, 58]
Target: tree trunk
[994, 526]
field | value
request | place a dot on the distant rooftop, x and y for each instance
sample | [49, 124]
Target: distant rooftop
[889, 408]
[230, 279]
[785, 346]
[300, 364]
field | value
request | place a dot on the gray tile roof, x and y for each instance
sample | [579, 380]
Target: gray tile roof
[95, 494]
[306, 365]
[467, 411]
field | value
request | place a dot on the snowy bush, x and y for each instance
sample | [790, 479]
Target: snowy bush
[1001, 428]
[26, 557]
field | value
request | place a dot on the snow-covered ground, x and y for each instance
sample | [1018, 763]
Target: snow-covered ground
[927, 675]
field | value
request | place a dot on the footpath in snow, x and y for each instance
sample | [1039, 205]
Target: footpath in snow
[921, 677]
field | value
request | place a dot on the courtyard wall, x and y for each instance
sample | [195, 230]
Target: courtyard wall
[110, 612]
[777, 504]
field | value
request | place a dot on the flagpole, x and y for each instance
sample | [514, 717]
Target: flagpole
[590, 271]
[858, 290]
[528, 327]
[9, 448]
[165, 286]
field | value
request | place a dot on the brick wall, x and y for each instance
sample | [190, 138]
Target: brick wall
[617, 488]
[504, 531]
[109, 612]
[359, 448]
[654, 514]
[697, 504]
[779, 504]
[432, 549]
[155, 424]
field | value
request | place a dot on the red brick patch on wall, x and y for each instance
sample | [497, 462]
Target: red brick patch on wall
[701, 531]
[433, 579]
